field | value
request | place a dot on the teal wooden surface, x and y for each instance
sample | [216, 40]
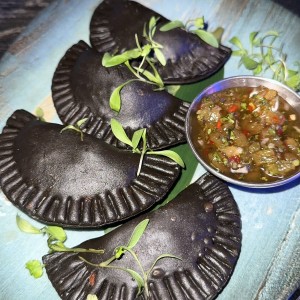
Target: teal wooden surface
[269, 264]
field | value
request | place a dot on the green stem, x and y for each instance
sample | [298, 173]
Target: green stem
[108, 261]
[141, 64]
[142, 270]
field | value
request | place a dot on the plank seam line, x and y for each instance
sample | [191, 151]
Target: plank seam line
[279, 250]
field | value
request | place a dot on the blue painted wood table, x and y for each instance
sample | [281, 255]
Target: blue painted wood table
[269, 264]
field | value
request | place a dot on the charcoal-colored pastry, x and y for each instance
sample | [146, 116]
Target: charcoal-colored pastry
[57, 178]
[82, 87]
[201, 226]
[189, 59]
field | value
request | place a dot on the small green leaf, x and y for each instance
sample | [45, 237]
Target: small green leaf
[137, 137]
[152, 26]
[115, 97]
[152, 23]
[160, 56]
[56, 232]
[119, 132]
[252, 37]
[57, 246]
[199, 22]
[239, 53]
[292, 72]
[91, 297]
[207, 37]
[147, 74]
[81, 122]
[25, 226]
[271, 33]
[293, 81]
[218, 33]
[158, 79]
[249, 63]
[236, 41]
[170, 154]
[171, 25]
[137, 233]
[137, 277]
[70, 127]
[257, 70]
[35, 268]
[146, 50]
[110, 61]
[40, 114]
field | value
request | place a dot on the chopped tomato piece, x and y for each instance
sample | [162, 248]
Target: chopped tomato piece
[235, 159]
[219, 125]
[251, 107]
[233, 108]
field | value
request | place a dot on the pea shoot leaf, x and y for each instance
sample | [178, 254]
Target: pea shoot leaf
[26, 226]
[119, 132]
[207, 37]
[56, 233]
[252, 37]
[109, 61]
[293, 81]
[91, 297]
[137, 277]
[171, 25]
[236, 41]
[170, 154]
[266, 56]
[81, 122]
[199, 22]
[35, 268]
[137, 137]
[249, 63]
[40, 114]
[160, 56]
[115, 97]
[137, 233]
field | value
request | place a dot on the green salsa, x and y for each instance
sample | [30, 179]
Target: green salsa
[249, 134]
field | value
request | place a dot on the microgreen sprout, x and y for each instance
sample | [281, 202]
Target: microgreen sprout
[91, 297]
[142, 276]
[76, 127]
[40, 114]
[145, 54]
[265, 56]
[56, 239]
[138, 136]
[195, 26]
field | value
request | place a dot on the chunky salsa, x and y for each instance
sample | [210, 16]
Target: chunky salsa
[249, 134]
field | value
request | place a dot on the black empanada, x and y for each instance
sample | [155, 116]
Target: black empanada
[58, 179]
[189, 59]
[82, 87]
[202, 226]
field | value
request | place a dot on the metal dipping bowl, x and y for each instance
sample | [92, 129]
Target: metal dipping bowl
[242, 81]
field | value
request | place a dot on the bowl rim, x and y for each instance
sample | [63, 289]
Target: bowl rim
[209, 90]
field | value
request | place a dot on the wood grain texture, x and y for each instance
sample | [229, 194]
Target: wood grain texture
[15, 16]
[269, 264]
